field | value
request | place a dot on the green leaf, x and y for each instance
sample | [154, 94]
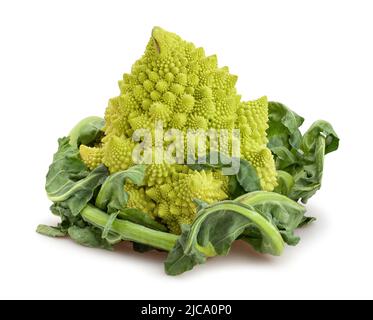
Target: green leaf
[247, 177]
[285, 182]
[112, 196]
[53, 232]
[70, 185]
[286, 158]
[178, 261]
[301, 157]
[284, 136]
[88, 237]
[324, 129]
[306, 221]
[66, 165]
[76, 194]
[69, 180]
[284, 126]
[283, 212]
[67, 218]
[213, 232]
[86, 131]
[319, 140]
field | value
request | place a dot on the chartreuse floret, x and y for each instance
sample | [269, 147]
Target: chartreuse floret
[176, 83]
[252, 122]
[92, 157]
[174, 200]
[138, 199]
[117, 153]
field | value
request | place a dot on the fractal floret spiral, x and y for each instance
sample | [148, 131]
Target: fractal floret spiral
[176, 83]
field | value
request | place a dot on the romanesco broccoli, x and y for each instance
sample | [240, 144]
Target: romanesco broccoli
[176, 83]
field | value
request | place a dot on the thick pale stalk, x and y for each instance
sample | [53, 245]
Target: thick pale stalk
[130, 231]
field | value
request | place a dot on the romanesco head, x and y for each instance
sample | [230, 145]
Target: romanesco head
[176, 83]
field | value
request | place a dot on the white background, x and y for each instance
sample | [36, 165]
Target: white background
[60, 62]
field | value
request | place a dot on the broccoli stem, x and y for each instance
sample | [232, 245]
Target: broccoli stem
[129, 230]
